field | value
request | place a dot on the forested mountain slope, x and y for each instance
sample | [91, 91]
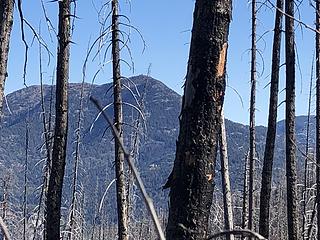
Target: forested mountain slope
[156, 147]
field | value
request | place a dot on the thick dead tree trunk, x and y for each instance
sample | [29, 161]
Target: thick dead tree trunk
[118, 121]
[53, 201]
[318, 113]
[191, 180]
[266, 181]
[6, 20]
[226, 187]
[291, 172]
[252, 128]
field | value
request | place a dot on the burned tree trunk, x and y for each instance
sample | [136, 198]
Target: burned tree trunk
[6, 20]
[53, 201]
[118, 121]
[266, 180]
[252, 127]
[306, 185]
[291, 172]
[226, 187]
[191, 180]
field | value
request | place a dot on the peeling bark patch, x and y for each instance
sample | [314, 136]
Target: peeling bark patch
[222, 60]
[209, 176]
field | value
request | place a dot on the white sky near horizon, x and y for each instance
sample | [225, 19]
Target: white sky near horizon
[165, 26]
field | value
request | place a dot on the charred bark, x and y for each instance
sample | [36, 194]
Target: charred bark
[291, 172]
[53, 201]
[252, 128]
[191, 180]
[6, 21]
[118, 120]
[266, 180]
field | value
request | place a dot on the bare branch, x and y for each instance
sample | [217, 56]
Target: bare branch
[295, 19]
[104, 195]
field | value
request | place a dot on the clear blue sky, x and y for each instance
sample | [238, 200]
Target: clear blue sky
[165, 26]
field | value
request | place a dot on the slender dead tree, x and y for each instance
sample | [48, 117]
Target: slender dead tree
[118, 120]
[306, 184]
[252, 128]
[4, 230]
[75, 179]
[266, 180]
[53, 201]
[25, 199]
[75, 195]
[191, 180]
[318, 113]
[291, 172]
[128, 157]
[6, 20]
[82, 224]
[244, 219]
[4, 202]
[47, 134]
[226, 187]
[135, 148]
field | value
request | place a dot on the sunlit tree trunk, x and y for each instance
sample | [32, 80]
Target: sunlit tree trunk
[191, 180]
[226, 186]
